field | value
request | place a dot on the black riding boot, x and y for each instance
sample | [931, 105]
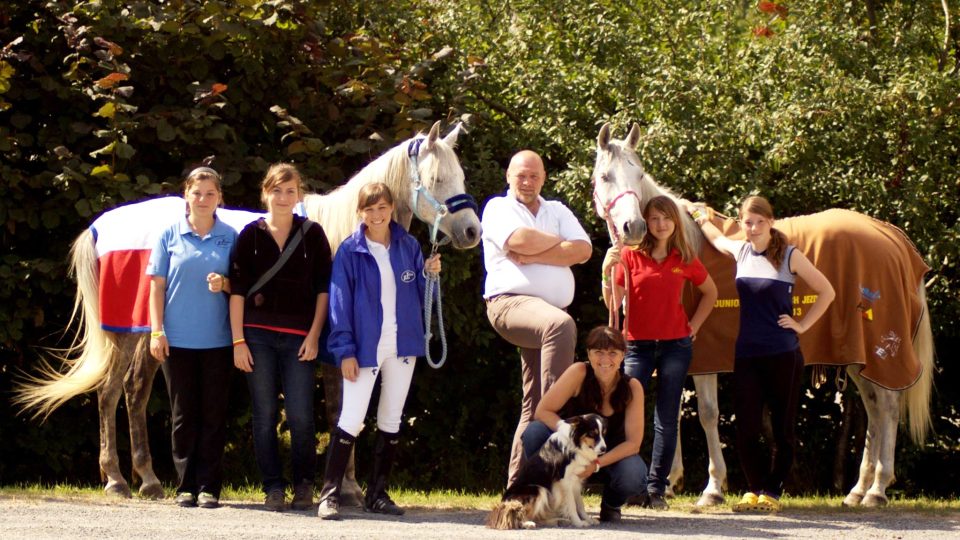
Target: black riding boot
[338, 455]
[376, 500]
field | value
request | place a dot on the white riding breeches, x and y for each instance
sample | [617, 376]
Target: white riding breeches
[395, 377]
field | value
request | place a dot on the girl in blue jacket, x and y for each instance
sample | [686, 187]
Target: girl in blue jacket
[376, 318]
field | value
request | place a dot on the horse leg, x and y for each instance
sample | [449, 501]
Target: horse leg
[709, 412]
[108, 396]
[137, 385]
[350, 492]
[871, 443]
[888, 406]
[675, 478]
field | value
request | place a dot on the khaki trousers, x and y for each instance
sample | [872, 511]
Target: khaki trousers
[547, 338]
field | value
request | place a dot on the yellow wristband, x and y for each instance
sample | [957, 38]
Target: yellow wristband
[157, 334]
[239, 342]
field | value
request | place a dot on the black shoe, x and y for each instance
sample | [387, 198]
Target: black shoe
[185, 499]
[275, 501]
[303, 496]
[655, 501]
[383, 505]
[642, 500]
[609, 514]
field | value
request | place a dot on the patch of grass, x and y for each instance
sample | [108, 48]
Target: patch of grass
[461, 500]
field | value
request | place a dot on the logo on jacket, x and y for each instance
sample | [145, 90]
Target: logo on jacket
[407, 276]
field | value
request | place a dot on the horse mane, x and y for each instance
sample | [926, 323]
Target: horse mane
[647, 188]
[336, 211]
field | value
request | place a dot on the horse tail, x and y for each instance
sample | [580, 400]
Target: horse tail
[915, 405]
[87, 361]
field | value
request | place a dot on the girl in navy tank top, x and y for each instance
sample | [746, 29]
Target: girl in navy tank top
[768, 364]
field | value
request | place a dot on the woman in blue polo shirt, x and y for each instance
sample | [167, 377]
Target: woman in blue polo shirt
[376, 317]
[191, 335]
[660, 336]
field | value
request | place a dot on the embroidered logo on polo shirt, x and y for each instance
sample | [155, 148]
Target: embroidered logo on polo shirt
[407, 276]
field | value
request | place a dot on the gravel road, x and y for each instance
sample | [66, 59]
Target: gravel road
[57, 518]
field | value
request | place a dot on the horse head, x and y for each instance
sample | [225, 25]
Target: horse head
[438, 193]
[620, 186]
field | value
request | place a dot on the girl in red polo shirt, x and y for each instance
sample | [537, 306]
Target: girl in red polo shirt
[659, 335]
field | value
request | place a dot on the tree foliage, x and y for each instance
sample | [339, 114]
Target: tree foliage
[814, 104]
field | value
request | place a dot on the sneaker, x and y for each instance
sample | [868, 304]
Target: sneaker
[208, 500]
[768, 503]
[185, 499]
[747, 503]
[303, 496]
[276, 501]
[655, 501]
[329, 509]
[609, 514]
[383, 505]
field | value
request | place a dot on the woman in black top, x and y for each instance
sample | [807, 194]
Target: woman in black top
[276, 326]
[599, 386]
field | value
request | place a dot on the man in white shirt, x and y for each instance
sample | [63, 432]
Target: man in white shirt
[529, 245]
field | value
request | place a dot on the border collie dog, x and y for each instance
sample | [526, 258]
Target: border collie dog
[548, 489]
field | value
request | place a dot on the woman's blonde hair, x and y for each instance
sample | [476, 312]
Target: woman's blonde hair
[778, 241]
[678, 239]
[280, 173]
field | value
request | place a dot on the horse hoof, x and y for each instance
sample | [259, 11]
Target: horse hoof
[852, 500]
[351, 495]
[875, 501]
[116, 489]
[152, 491]
[710, 499]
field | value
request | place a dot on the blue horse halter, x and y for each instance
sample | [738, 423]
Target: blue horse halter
[452, 205]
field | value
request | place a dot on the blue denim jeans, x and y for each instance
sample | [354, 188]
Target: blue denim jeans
[671, 358]
[276, 367]
[621, 480]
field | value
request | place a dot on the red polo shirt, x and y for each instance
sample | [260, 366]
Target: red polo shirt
[655, 288]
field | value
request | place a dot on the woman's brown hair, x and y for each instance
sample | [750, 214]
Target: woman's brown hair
[677, 240]
[373, 193]
[280, 173]
[778, 241]
[604, 338]
[200, 174]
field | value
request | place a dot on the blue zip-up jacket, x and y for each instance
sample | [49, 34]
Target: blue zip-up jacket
[356, 314]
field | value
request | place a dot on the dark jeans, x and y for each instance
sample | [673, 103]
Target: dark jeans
[671, 358]
[775, 381]
[198, 383]
[276, 367]
[621, 480]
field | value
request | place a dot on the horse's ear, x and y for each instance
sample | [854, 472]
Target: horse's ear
[633, 138]
[603, 138]
[451, 138]
[433, 135]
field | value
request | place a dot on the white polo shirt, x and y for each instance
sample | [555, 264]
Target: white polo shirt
[504, 215]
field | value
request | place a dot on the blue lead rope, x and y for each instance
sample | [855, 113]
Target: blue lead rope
[433, 282]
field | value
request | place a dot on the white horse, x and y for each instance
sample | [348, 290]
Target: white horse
[421, 172]
[620, 189]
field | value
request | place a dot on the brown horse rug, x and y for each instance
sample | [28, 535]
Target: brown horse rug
[876, 272]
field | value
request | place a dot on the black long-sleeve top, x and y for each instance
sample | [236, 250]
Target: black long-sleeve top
[288, 301]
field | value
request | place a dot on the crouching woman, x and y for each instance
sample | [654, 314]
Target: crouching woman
[599, 386]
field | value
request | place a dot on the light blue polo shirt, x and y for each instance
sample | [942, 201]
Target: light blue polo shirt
[194, 317]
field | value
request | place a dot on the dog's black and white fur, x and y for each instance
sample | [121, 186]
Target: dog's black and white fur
[548, 488]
